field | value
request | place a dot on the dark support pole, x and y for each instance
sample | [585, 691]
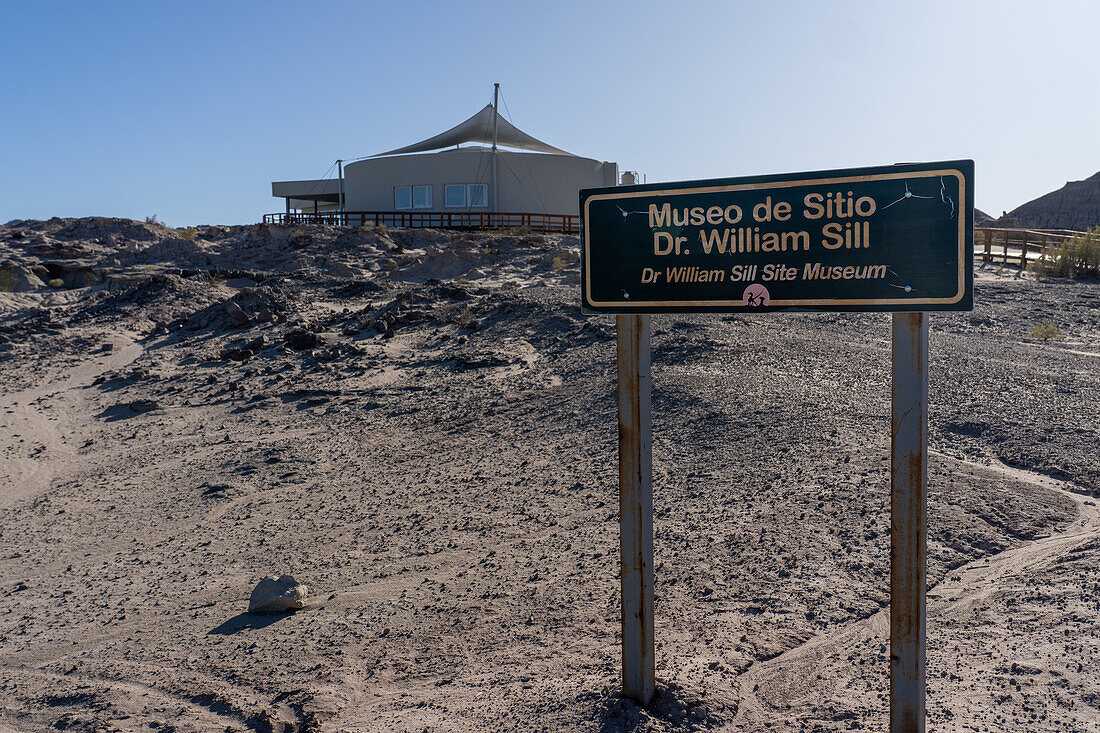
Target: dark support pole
[908, 521]
[635, 506]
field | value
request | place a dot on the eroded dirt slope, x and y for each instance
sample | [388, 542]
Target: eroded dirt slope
[420, 426]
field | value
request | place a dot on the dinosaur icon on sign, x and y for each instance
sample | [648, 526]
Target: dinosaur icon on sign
[756, 295]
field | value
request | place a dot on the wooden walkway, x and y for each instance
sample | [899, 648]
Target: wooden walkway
[991, 244]
[1017, 247]
[549, 223]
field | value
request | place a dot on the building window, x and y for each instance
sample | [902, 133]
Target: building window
[455, 195]
[461, 195]
[477, 194]
[412, 197]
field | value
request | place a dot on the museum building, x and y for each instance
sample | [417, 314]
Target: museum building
[482, 165]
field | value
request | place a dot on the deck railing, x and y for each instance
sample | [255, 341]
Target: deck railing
[551, 223]
[991, 244]
[1017, 246]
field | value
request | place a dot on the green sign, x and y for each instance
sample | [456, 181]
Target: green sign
[891, 238]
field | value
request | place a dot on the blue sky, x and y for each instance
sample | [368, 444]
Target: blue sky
[189, 110]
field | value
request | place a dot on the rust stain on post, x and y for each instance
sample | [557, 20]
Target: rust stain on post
[635, 507]
[908, 521]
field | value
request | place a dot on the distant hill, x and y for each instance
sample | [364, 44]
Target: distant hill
[982, 219]
[1075, 205]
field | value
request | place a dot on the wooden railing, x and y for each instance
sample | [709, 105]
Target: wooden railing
[555, 223]
[991, 244]
[1017, 246]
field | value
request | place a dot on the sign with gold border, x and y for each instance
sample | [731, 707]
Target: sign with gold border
[888, 238]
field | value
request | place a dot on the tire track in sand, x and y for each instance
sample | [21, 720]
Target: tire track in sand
[769, 690]
[130, 703]
[45, 452]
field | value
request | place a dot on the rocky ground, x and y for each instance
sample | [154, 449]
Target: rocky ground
[420, 426]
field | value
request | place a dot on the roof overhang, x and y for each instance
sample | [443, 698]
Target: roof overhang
[319, 190]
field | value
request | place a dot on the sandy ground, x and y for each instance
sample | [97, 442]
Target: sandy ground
[425, 437]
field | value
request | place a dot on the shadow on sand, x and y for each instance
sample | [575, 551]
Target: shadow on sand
[243, 621]
[127, 411]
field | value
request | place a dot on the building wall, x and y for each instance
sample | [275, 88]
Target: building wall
[527, 182]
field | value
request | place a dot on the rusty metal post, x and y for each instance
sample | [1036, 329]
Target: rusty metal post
[635, 506]
[908, 521]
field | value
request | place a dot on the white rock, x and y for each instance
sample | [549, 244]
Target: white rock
[276, 595]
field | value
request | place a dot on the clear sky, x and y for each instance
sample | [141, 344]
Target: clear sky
[188, 110]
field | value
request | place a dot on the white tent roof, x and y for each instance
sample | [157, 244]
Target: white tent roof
[479, 129]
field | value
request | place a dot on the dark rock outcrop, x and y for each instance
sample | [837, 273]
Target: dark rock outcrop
[1075, 205]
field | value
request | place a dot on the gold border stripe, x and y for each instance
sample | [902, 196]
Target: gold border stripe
[784, 184]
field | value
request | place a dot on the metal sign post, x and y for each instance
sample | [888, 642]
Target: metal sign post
[908, 520]
[635, 507]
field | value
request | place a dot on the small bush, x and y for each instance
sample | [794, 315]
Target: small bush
[189, 233]
[56, 283]
[1045, 331]
[559, 263]
[151, 219]
[1077, 257]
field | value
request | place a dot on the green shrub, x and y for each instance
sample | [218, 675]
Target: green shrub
[56, 283]
[151, 219]
[189, 233]
[1077, 257]
[1045, 331]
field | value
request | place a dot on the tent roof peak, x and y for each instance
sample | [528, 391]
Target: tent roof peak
[479, 129]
